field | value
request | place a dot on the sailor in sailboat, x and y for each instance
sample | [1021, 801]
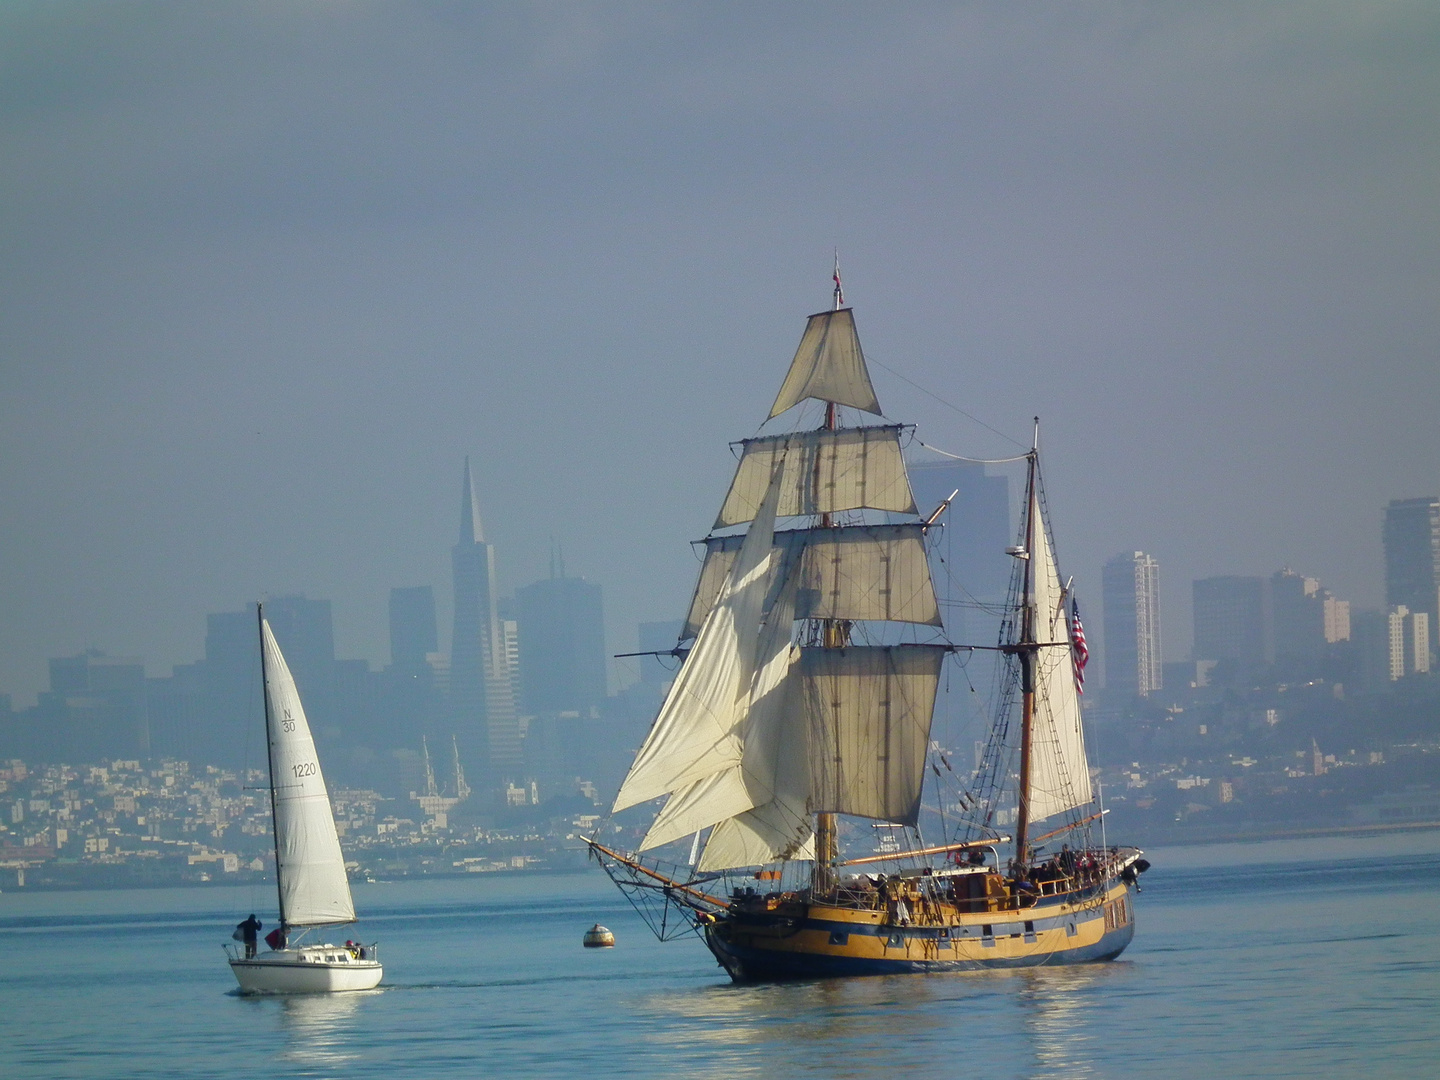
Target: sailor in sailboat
[312, 888]
[785, 718]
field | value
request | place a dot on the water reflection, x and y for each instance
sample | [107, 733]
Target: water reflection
[1031, 1023]
[319, 1029]
[1057, 1007]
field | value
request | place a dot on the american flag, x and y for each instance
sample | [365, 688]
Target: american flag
[1078, 646]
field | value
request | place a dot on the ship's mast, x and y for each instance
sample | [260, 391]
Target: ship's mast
[1027, 649]
[834, 635]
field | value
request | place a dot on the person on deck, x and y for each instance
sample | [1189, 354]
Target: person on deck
[249, 932]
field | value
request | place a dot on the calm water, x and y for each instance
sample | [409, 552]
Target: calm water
[1315, 959]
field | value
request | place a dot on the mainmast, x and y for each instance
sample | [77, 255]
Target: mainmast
[270, 762]
[1027, 648]
[834, 635]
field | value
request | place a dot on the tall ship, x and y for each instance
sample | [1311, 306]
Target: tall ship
[799, 724]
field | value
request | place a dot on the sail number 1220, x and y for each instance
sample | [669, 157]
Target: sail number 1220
[304, 768]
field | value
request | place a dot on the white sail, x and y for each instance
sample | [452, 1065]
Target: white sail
[854, 572]
[762, 711]
[697, 734]
[313, 888]
[826, 472]
[829, 365]
[869, 710]
[1059, 769]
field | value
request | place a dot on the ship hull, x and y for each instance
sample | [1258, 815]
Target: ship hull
[313, 970]
[826, 942]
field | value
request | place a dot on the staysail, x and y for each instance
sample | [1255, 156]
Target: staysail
[1059, 770]
[696, 739]
[311, 869]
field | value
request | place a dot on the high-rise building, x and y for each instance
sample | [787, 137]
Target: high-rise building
[562, 645]
[1412, 555]
[94, 710]
[413, 627]
[972, 563]
[969, 566]
[482, 694]
[1409, 642]
[1233, 622]
[1298, 610]
[1130, 591]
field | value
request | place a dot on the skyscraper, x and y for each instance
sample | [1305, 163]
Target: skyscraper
[1130, 588]
[1233, 622]
[562, 645]
[413, 628]
[1409, 642]
[1412, 556]
[482, 697]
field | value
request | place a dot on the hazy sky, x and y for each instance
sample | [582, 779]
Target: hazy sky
[272, 270]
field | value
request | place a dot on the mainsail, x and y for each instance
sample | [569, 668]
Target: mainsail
[1059, 771]
[311, 870]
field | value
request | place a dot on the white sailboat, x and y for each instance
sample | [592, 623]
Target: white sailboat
[309, 867]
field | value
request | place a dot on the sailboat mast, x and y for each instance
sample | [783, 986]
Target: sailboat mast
[270, 762]
[822, 878]
[1027, 650]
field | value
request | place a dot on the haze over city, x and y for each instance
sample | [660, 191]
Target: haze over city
[274, 271]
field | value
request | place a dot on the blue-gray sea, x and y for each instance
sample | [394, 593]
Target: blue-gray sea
[1318, 958]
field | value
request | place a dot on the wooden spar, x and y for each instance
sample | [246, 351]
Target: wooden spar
[822, 873]
[943, 849]
[1066, 828]
[670, 882]
[1027, 671]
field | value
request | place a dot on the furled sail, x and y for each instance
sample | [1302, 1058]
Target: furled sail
[1059, 769]
[869, 710]
[855, 572]
[313, 888]
[829, 365]
[826, 472]
[696, 738]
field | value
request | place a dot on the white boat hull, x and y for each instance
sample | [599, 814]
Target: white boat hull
[312, 970]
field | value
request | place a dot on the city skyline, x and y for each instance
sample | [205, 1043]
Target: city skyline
[262, 299]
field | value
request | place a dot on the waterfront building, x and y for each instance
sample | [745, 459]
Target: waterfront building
[1130, 590]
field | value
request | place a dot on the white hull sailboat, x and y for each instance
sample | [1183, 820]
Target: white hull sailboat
[309, 867]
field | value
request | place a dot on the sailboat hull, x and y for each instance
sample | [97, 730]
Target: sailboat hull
[312, 970]
[824, 941]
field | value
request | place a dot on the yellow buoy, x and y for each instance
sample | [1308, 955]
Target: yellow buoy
[598, 937]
